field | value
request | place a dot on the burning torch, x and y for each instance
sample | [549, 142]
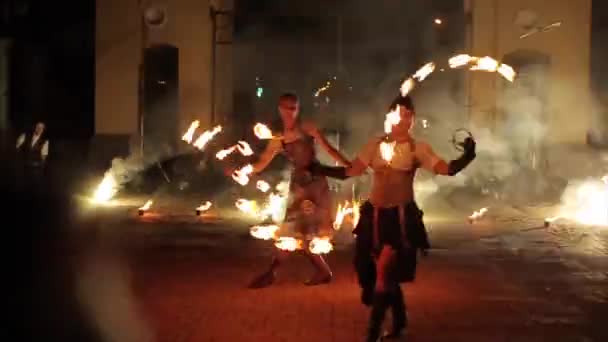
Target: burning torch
[142, 210]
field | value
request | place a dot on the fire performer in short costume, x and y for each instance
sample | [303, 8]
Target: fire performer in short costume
[310, 208]
[390, 230]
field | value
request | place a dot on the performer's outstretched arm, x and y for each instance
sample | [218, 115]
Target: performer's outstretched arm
[431, 162]
[314, 132]
[271, 150]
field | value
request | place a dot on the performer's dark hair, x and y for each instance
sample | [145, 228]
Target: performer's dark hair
[405, 101]
[288, 97]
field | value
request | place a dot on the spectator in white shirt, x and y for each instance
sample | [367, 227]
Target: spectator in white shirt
[34, 146]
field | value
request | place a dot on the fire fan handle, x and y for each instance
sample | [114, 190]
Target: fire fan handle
[459, 143]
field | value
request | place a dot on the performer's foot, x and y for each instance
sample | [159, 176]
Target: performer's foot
[264, 280]
[393, 334]
[319, 279]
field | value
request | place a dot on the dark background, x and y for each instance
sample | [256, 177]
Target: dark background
[52, 70]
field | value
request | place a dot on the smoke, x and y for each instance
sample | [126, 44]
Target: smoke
[103, 288]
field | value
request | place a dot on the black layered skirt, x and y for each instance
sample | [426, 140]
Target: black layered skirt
[401, 228]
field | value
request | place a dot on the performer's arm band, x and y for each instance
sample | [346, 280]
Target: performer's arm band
[338, 172]
[459, 164]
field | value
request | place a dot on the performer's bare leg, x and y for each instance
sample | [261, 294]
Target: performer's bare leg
[322, 274]
[384, 293]
[269, 276]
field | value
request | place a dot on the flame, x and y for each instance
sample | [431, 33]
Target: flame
[387, 150]
[460, 61]
[356, 212]
[507, 72]
[484, 64]
[320, 245]
[342, 211]
[592, 203]
[205, 206]
[407, 86]
[424, 72]
[274, 207]
[322, 89]
[262, 131]
[225, 152]
[347, 209]
[244, 148]
[247, 206]
[241, 175]
[288, 244]
[106, 189]
[478, 214]
[146, 206]
[263, 186]
[392, 118]
[190, 133]
[206, 136]
[552, 219]
[267, 232]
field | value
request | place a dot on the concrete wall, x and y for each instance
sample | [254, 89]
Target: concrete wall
[494, 33]
[120, 36]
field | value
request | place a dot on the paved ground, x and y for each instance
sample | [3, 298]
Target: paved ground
[175, 278]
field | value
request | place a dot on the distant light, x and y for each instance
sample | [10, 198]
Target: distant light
[438, 21]
[161, 82]
[259, 92]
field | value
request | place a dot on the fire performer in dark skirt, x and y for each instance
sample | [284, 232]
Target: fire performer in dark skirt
[391, 232]
[309, 209]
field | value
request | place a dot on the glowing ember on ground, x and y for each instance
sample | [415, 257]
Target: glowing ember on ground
[478, 214]
[241, 175]
[244, 148]
[106, 189]
[263, 186]
[288, 244]
[190, 132]
[206, 136]
[144, 207]
[320, 246]
[550, 220]
[262, 131]
[267, 232]
[587, 203]
[203, 207]
[247, 206]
